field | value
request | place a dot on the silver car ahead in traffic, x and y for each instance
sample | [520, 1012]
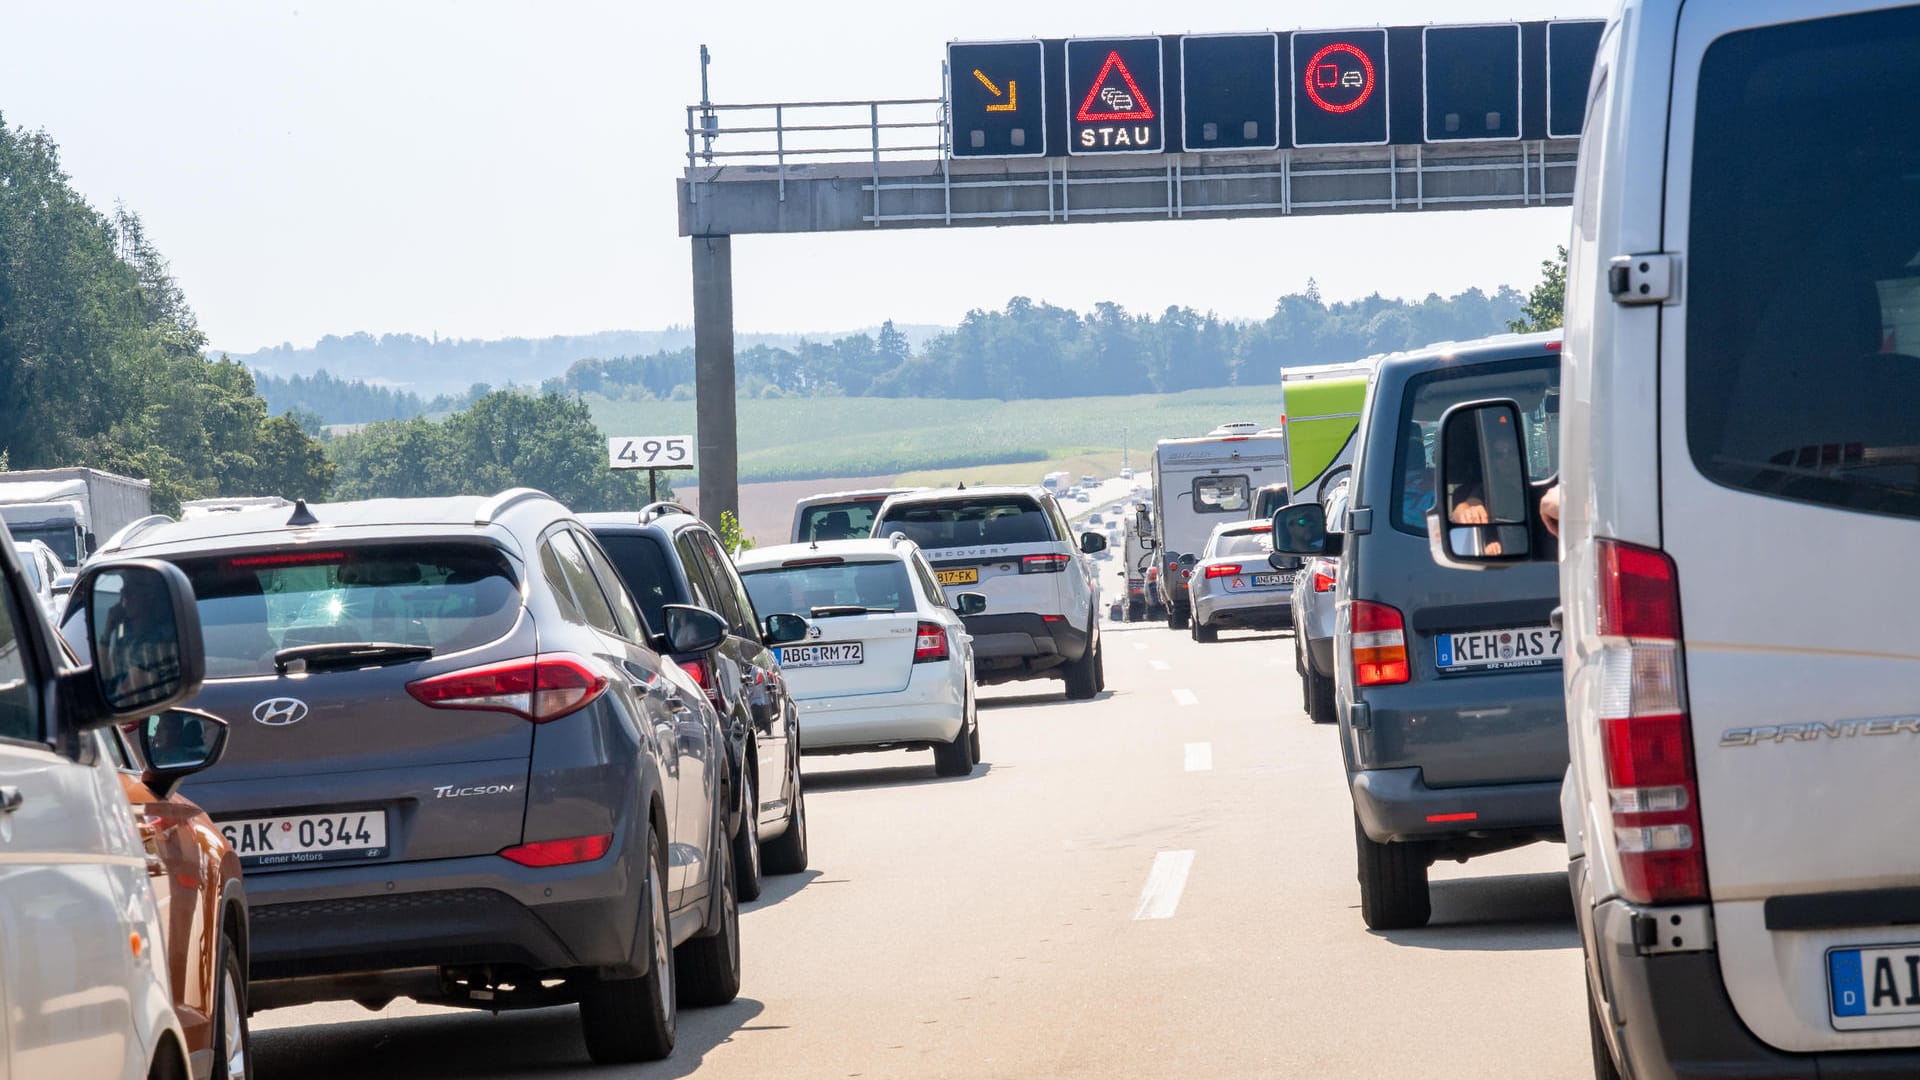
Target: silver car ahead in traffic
[1313, 619]
[1236, 586]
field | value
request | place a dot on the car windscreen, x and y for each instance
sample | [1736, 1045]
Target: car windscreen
[814, 584]
[61, 538]
[30, 563]
[1803, 276]
[850, 519]
[1533, 382]
[1221, 495]
[1234, 545]
[968, 522]
[446, 597]
[644, 567]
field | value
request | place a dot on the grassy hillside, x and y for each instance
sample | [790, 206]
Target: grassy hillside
[804, 438]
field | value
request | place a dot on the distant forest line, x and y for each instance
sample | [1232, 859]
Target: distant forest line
[1025, 350]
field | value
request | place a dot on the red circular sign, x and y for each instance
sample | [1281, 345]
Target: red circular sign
[1326, 75]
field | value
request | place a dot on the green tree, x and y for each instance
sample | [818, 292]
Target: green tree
[1546, 306]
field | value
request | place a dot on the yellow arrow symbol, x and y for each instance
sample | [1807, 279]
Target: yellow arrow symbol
[1013, 92]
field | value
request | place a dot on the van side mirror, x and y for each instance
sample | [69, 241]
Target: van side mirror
[1482, 513]
[143, 635]
[177, 743]
[785, 628]
[969, 603]
[1300, 529]
[692, 629]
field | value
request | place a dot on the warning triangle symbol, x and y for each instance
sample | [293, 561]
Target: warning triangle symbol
[1122, 100]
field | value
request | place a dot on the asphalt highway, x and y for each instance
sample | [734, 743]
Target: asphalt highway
[1155, 883]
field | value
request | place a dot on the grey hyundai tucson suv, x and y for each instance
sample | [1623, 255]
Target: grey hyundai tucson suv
[460, 769]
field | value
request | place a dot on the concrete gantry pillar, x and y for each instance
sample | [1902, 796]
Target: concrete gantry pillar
[713, 385]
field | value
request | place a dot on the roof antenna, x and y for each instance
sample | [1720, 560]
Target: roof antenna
[963, 486]
[301, 515]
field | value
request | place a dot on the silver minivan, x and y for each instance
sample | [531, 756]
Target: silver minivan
[1742, 356]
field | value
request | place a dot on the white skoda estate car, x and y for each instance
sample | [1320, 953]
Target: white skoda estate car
[887, 664]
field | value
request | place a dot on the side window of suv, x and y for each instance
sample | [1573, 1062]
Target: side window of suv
[625, 613]
[697, 581]
[928, 583]
[19, 719]
[735, 605]
[590, 601]
[1062, 530]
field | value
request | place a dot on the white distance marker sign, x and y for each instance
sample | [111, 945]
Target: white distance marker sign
[650, 452]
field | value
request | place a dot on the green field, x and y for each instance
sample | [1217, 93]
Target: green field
[808, 438]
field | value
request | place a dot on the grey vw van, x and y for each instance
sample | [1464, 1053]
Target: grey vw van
[1451, 711]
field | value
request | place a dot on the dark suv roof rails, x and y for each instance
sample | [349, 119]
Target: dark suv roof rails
[491, 510]
[655, 510]
[128, 532]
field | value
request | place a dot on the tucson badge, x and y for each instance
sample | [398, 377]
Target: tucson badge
[280, 711]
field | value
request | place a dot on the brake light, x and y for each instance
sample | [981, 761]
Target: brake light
[289, 558]
[1379, 644]
[539, 688]
[1323, 579]
[931, 644]
[1223, 570]
[702, 673]
[578, 849]
[1653, 791]
[1043, 564]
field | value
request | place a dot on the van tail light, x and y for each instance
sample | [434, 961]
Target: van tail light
[536, 688]
[1653, 791]
[1044, 564]
[930, 644]
[1223, 570]
[577, 849]
[1323, 578]
[701, 671]
[1379, 644]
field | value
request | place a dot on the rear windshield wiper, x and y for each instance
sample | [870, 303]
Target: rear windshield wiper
[346, 654]
[834, 611]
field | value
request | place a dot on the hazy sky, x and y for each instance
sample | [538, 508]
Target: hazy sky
[488, 168]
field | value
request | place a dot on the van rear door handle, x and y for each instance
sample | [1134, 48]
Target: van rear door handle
[10, 799]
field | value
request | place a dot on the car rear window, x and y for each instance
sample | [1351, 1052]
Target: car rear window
[644, 567]
[1534, 383]
[1243, 543]
[967, 522]
[799, 590]
[448, 597]
[850, 519]
[1803, 276]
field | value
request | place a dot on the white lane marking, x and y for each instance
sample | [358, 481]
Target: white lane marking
[1165, 882]
[1185, 697]
[1199, 756]
[1159, 665]
[1141, 645]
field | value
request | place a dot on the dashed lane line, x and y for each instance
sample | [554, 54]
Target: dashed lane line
[1199, 756]
[1166, 880]
[1184, 696]
[1159, 665]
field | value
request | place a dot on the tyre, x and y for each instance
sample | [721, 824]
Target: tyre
[1319, 690]
[232, 1044]
[1083, 675]
[1393, 883]
[1204, 634]
[787, 853]
[1136, 612]
[707, 968]
[628, 1020]
[1603, 1065]
[974, 737]
[746, 843]
[957, 757]
[1177, 618]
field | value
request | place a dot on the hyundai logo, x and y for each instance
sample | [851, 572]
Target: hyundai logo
[280, 711]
